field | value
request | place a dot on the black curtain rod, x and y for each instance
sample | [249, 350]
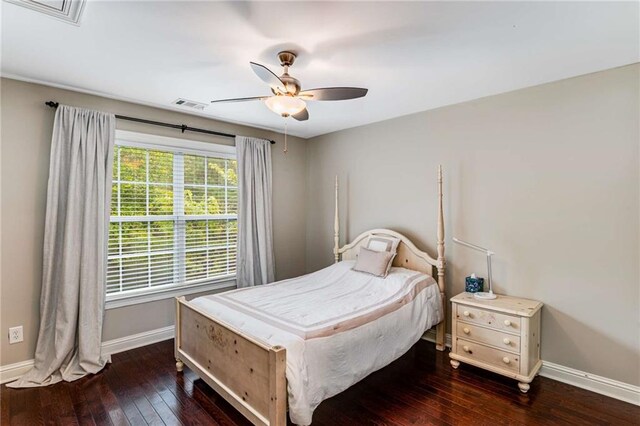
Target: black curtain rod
[181, 127]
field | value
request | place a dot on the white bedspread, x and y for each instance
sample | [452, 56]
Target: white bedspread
[337, 325]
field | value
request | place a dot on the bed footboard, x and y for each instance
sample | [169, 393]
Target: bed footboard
[249, 374]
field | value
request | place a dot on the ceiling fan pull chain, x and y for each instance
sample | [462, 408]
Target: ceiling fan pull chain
[285, 137]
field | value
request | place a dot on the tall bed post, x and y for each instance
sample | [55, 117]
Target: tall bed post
[336, 228]
[440, 328]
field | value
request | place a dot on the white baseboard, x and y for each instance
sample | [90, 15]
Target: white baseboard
[137, 340]
[12, 372]
[602, 385]
[9, 373]
[430, 336]
[592, 382]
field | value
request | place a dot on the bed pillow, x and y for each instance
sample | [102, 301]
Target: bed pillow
[374, 262]
[383, 243]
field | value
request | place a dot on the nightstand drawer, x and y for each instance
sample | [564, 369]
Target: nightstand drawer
[495, 357]
[491, 319]
[499, 339]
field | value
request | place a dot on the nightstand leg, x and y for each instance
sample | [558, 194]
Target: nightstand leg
[179, 365]
[455, 364]
[524, 387]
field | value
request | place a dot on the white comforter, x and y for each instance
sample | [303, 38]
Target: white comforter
[337, 325]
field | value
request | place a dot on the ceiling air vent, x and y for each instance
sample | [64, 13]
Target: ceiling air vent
[66, 10]
[190, 104]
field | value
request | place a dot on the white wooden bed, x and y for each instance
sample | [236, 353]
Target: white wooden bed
[250, 373]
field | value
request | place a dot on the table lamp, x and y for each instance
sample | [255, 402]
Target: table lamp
[483, 294]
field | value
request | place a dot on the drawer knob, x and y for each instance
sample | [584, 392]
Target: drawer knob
[506, 360]
[507, 323]
[466, 330]
[466, 314]
[466, 348]
[506, 341]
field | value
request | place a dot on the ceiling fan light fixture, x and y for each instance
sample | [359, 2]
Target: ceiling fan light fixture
[288, 99]
[285, 105]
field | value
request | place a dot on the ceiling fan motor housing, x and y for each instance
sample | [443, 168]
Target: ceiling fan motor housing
[291, 84]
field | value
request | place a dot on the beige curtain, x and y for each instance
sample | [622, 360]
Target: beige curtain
[75, 248]
[256, 264]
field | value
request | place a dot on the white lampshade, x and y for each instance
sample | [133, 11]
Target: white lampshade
[285, 105]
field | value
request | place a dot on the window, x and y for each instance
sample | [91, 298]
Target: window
[173, 217]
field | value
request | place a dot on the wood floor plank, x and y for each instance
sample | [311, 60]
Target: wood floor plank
[80, 405]
[111, 404]
[473, 399]
[32, 397]
[61, 404]
[122, 394]
[181, 407]
[127, 373]
[18, 408]
[46, 408]
[91, 391]
[562, 394]
[171, 386]
[184, 393]
[212, 402]
[5, 406]
[142, 387]
[145, 379]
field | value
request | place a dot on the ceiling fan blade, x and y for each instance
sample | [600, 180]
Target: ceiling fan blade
[333, 93]
[255, 98]
[302, 115]
[268, 76]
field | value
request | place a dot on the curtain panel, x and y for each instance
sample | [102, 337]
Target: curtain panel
[256, 263]
[75, 248]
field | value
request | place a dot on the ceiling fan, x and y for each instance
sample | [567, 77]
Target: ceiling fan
[288, 99]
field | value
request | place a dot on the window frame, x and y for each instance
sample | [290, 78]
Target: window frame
[184, 146]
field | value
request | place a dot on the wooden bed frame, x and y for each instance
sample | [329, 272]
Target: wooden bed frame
[250, 374]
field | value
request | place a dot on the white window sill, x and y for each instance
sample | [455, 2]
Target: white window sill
[144, 296]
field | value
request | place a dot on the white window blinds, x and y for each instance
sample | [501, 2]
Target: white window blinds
[173, 218]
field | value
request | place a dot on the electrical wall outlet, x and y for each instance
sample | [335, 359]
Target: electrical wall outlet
[15, 335]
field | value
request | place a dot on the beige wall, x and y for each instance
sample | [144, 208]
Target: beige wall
[26, 137]
[547, 177]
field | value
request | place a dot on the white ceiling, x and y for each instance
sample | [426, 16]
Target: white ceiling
[412, 56]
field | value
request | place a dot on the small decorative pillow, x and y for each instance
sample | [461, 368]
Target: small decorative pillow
[384, 243]
[374, 262]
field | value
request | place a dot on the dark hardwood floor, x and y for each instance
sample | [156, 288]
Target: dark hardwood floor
[142, 387]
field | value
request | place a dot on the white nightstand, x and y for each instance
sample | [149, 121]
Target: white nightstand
[500, 335]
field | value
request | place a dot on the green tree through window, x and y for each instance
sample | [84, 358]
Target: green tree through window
[173, 219]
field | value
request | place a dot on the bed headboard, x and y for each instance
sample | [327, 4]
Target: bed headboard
[408, 255]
